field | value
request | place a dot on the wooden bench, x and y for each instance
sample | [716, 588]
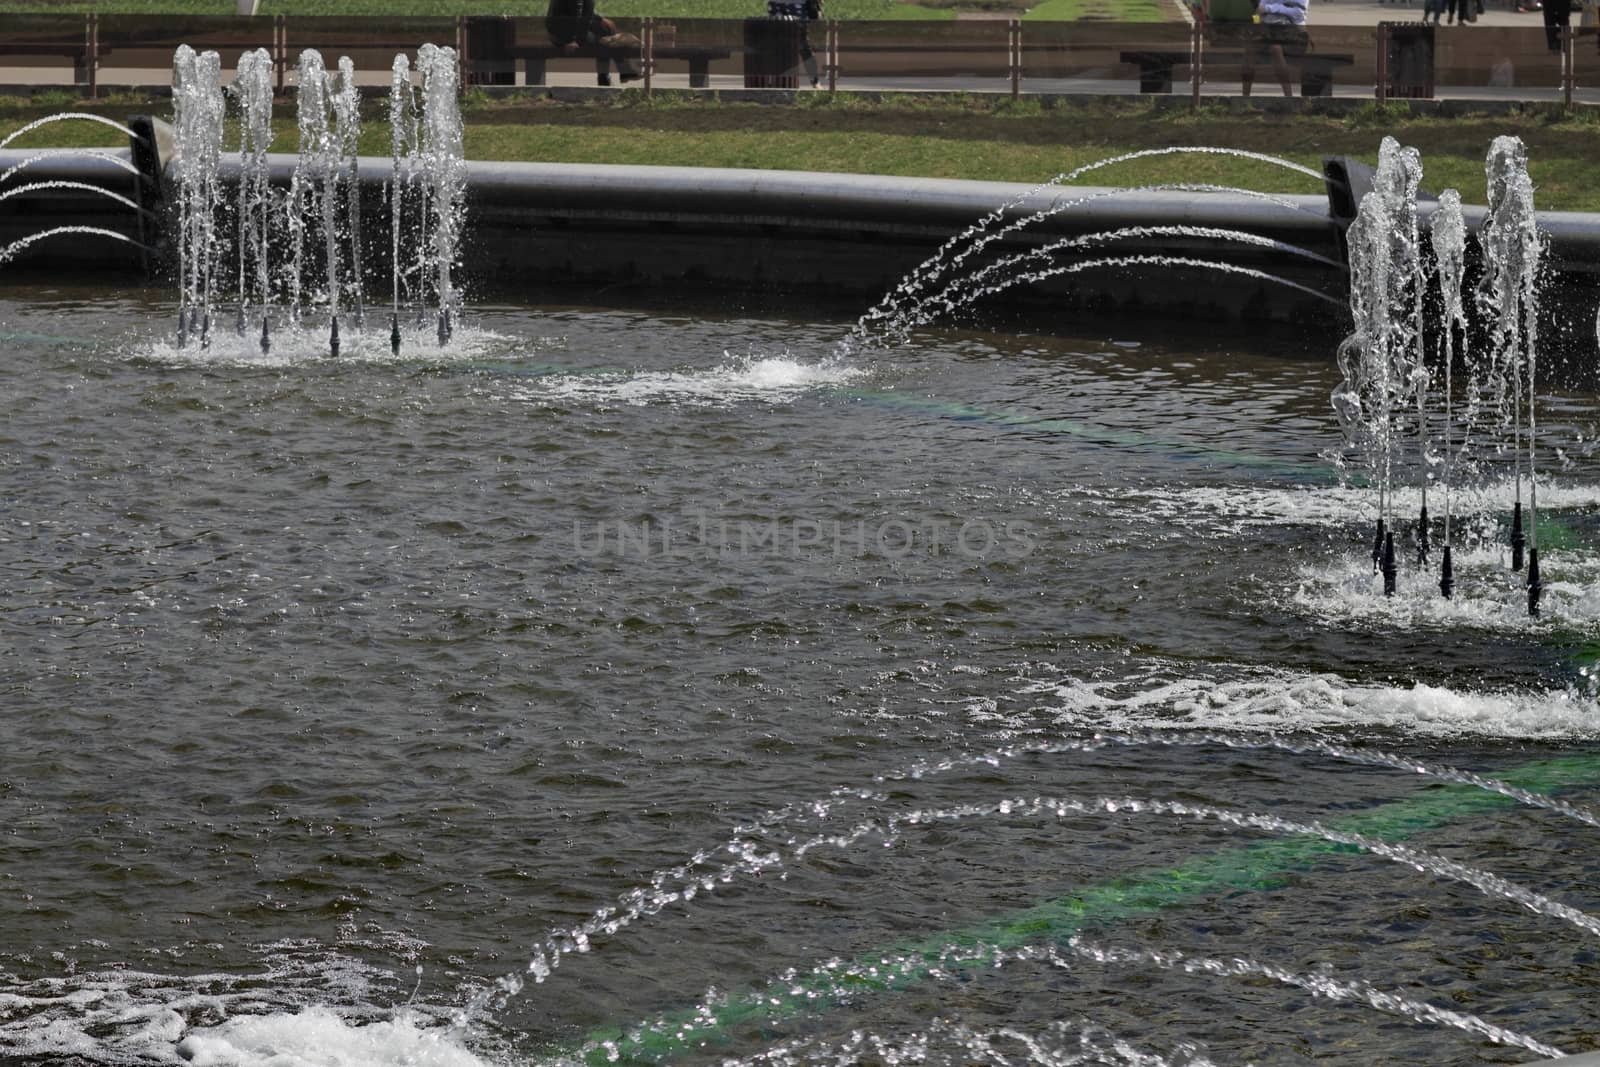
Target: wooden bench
[1155, 67]
[77, 51]
[699, 58]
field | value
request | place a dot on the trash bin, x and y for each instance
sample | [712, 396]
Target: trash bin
[772, 53]
[489, 42]
[1410, 60]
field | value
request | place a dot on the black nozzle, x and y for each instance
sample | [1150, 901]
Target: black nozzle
[266, 337]
[1518, 539]
[1422, 538]
[1377, 546]
[333, 337]
[1535, 586]
[394, 334]
[1447, 575]
[1388, 564]
[205, 331]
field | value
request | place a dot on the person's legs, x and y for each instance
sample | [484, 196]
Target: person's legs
[1557, 14]
[807, 56]
[1281, 66]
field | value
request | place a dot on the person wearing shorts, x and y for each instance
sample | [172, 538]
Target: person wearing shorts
[1281, 30]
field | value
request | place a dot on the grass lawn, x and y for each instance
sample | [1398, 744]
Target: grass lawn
[1109, 10]
[966, 137]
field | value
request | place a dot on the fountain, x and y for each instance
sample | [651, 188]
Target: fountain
[320, 270]
[344, 727]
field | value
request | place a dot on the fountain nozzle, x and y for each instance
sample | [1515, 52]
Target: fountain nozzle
[266, 337]
[1447, 575]
[183, 327]
[444, 327]
[1535, 586]
[333, 337]
[1388, 566]
[394, 334]
[1377, 546]
[1518, 539]
[1422, 538]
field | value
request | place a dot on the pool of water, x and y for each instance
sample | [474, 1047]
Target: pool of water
[336, 691]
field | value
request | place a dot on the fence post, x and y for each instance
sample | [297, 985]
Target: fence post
[1568, 62]
[1014, 47]
[1197, 58]
[648, 57]
[92, 56]
[1383, 63]
[461, 52]
[832, 39]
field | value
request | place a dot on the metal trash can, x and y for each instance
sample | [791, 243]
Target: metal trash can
[489, 42]
[1410, 60]
[772, 53]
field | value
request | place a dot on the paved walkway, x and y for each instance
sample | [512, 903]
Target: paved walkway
[1359, 13]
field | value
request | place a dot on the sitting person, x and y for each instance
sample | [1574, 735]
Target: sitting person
[1282, 26]
[574, 25]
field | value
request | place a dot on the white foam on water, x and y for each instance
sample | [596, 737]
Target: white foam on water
[1235, 509]
[1487, 596]
[317, 1037]
[295, 348]
[774, 379]
[305, 1004]
[1270, 700]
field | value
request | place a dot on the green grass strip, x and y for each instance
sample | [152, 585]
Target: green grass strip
[1253, 868]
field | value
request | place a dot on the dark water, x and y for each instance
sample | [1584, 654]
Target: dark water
[318, 672]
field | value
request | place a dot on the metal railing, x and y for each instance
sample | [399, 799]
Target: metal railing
[1383, 62]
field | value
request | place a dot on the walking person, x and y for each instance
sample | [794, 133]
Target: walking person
[1282, 27]
[1557, 17]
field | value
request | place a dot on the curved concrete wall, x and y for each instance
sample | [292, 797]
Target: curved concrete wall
[807, 243]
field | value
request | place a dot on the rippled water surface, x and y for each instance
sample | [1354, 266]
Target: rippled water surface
[337, 691]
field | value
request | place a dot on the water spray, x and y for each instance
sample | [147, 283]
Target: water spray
[1449, 235]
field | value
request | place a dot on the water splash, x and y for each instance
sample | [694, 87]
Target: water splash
[1318, 985]
[883, 324]
[65, 116]
[199, 107]
[18, 190]
[443, 175]
[1060, 1044]
[1344, 754]
[252, 92]
[17, 246]
[1449, 242]
[108, 155]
